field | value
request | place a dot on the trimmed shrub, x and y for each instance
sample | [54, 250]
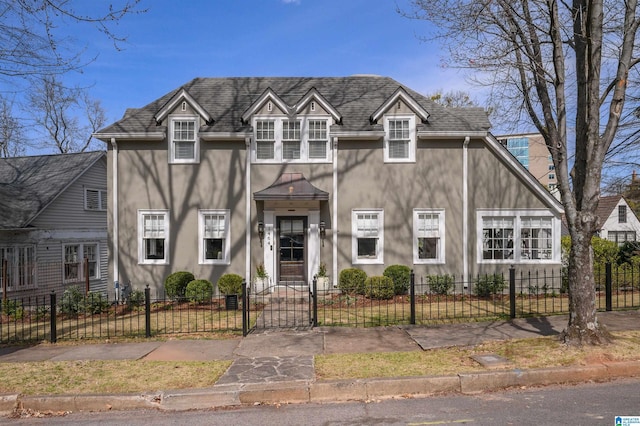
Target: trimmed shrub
[71, 303]
[135, 299]
[401, 277]
[176, 284]
[230, 284]
[487, 285]
[440, 284]
[95, 303]
[13, 308]
[379, 287]
[351, 280]
[199, 291]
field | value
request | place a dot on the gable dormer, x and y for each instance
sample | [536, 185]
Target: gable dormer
[269, 103]
[313, 103]
[400, 113]
[184, 116]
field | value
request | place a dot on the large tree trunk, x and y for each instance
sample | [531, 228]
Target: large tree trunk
[583, 327]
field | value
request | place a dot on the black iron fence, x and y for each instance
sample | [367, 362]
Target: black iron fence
[76, 314]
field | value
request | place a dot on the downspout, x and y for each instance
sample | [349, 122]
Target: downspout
[247, 236]
[114, 212]
[334, 219]
[465, 210]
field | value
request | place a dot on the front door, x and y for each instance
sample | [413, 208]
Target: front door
[292, 250]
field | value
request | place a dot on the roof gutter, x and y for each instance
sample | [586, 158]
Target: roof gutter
[141, 136]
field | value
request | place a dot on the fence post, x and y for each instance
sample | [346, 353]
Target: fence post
[315, 301]
[412, 298]
[54, 329]
[512, 291]
[245, 309]
[607, 286]
[147, 311]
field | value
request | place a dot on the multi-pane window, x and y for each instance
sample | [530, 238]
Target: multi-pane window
[318, 139]
[21, 268]
[497, 238]
[74, 256]
[514, 236]
[291, 140]
[399, 139]
[428, 228]
[184, 147]
[621, 237]
[622, 214]
[299, 140]
[153, 232]
[519, 148]
[95, 199]
[400, 144]
[368, 232]
[536, 238]
[214, 236]
[265, 140]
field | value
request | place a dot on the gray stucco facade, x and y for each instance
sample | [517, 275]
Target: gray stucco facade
[207, 179]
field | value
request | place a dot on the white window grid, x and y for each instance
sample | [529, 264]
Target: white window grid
[428, 230]
[214, 234]
[280, 139]
[368, 225]
[513, 236]
[184, 140]
[21, 267]
[95, 199]
[153, 237]
[400, 138]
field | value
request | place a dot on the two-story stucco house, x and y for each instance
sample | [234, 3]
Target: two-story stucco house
[224, 174]
[53, 223]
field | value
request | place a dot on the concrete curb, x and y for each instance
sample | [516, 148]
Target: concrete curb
[323, 391]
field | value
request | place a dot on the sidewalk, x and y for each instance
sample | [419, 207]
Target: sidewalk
[277, 366]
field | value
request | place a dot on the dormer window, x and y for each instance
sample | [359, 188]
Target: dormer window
[400, 139]
[279, 139]
[183, 142]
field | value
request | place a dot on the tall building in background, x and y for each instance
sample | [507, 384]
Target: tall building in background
[531, 151]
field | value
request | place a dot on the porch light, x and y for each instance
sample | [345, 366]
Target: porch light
[323, 231]
[261, 232]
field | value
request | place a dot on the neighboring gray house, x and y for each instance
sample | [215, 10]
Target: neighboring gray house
[224, 174]
[617, 222]
[53, 215]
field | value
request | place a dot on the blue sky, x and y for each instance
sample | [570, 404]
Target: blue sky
[176, 41]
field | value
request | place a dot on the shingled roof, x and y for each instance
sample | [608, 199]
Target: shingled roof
[356, 98]
[29, 184]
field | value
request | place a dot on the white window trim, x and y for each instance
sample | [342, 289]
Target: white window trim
[379, 260]
[518, 215]
[12, 284]
[196, 147]
[412, 138]
[81, 271]
[304, 140]
[226, 260]
[440, 259]
[141, 248]
[102, 195]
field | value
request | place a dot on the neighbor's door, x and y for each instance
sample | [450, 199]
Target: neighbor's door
[292, 250]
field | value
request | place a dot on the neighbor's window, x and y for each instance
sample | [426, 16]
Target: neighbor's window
[95, 199]
[428, 230]
[368, 233]
[214, 236]
[74, 255]
[622, 214]
[21, 267]
[621, 237]
[153, 232]
[184, 141]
